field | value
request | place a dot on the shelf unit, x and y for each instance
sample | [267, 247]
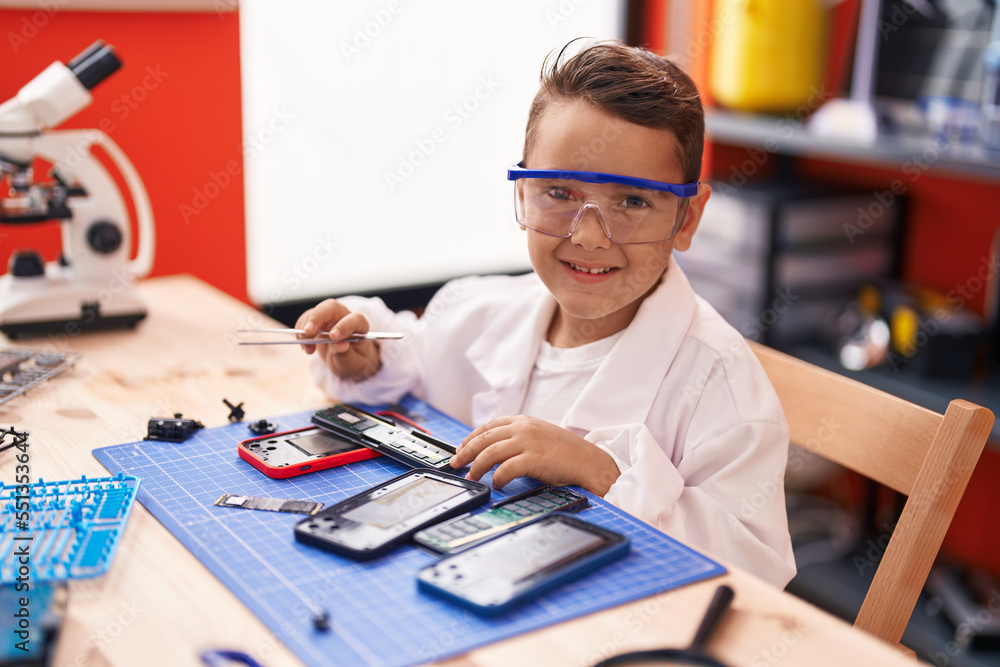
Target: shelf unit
[787, 136]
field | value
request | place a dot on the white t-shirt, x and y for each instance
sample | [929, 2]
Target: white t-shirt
[560, 375]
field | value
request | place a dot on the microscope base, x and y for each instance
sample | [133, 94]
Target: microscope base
[42, 306]
[68, 327]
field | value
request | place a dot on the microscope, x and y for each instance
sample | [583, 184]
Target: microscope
[90, 286]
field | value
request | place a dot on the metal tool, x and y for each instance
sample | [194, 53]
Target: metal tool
[90, 286]
[371, 335]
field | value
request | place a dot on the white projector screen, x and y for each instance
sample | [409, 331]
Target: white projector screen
[377, 135]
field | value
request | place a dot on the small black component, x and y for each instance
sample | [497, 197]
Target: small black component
[236, 412]
[263, 427]
[18, 438]
[321, 621]
[171, 430]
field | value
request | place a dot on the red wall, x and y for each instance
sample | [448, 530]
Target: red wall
[173, 108]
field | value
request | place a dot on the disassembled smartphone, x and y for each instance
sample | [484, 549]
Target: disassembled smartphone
[296, 452]
[499, 574]
[464, 531]
[372, 522]
[411, 447]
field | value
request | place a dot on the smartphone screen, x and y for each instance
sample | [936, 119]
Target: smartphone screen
[535, 551]
[374, 521]
[496, 575]
[404, 503]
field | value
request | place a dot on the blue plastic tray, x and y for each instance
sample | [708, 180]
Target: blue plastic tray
[70, 529]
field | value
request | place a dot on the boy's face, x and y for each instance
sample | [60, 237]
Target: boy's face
[580, 136]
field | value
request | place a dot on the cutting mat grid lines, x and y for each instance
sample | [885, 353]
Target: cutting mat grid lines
[378, 616]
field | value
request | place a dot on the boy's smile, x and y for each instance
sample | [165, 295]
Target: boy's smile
[599, 284]
[593, 272]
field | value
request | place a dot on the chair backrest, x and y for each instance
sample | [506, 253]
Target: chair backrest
[924, 455]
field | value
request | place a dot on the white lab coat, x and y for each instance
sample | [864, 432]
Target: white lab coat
[680, 403]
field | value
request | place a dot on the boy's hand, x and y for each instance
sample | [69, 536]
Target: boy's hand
[524, 446]
[351, 361]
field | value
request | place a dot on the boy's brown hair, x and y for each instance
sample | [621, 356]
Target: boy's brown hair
[632, 83]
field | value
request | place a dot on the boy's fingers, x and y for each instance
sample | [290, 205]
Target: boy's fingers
[304, 319]
[480, 466]
[493, 453]
[345, 359]
[506, 472]
[485, 428]
[465, 451]
[326, 314]
[348, 324]
[480, 438]
[475, 433]
[354, 323]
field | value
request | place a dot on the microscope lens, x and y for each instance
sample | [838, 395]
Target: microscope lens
[89, 52]
[95, 64]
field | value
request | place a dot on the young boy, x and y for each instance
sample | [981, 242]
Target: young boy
[602, 368]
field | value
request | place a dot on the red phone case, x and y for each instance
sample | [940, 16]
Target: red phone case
[361, 453]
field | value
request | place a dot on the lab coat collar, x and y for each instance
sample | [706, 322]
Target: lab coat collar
[504, 355]
[626, 383]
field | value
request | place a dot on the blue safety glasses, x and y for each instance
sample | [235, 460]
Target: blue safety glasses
[629, 210]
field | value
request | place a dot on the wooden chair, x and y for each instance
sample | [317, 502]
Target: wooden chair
[924, 455]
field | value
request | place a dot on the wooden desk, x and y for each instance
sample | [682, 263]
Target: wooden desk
[159, 606]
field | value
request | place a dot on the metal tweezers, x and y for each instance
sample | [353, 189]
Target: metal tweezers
[371, 335]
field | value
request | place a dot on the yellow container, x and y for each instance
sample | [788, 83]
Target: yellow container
[767, 55]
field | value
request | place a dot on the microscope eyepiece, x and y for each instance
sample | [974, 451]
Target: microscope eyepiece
[95, 64]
